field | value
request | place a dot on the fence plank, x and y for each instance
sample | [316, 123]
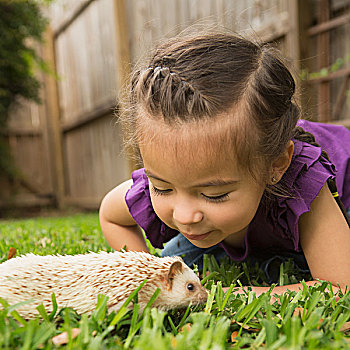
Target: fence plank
[53, 122]
[323, 61]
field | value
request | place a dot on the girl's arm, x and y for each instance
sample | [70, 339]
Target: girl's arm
[118, 226]
[279, 289]
[325, 240]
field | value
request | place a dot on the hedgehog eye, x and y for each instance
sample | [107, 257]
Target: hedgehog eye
[190, 286]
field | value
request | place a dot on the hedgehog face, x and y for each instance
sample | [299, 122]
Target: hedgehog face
[182, 287]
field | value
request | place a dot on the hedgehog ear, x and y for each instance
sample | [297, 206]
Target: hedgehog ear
[175, 268]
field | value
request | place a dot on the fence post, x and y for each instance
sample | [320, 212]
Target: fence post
[53, 120]
[304, 19]
[293, 36]
[323, 45]
[123, 58]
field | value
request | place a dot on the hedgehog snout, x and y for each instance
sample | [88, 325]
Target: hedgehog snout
[187, 289]
[200, 294]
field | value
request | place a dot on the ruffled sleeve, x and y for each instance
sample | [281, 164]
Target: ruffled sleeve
[308, 173]
[140, 207]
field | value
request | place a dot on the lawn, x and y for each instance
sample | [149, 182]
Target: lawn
[313, 318]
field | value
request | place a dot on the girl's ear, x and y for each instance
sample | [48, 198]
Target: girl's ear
[281, 164]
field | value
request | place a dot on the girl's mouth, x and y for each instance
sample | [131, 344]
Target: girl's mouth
[197, 237]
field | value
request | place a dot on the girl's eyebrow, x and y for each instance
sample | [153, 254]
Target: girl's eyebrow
[149, 174]
[218, 182]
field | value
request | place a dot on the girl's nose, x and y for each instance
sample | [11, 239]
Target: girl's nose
[187, 214]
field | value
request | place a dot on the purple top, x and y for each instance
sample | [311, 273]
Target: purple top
[273, 228]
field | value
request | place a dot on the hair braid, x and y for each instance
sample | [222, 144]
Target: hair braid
[305, 136]
[165, 91]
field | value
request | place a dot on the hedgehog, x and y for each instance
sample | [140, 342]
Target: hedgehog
[76, 281]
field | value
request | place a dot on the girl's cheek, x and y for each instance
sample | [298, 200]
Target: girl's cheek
[226, 215]
[161, 207]
[223, 217]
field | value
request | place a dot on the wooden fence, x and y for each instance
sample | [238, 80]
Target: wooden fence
[328, 42]
[69, 148]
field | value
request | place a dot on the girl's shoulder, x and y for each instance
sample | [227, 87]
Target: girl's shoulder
[325, 133]
[306, 175]
[138, 200]
[309, 168]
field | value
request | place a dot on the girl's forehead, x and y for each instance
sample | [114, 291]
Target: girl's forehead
[193, 147]
[186, 170]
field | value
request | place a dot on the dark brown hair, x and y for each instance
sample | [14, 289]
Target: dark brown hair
[201, 77]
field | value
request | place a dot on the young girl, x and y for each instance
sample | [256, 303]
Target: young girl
[229, 169]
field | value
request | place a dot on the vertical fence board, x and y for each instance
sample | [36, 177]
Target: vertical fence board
[53, 129]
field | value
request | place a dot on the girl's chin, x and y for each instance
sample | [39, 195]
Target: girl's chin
[204, 244]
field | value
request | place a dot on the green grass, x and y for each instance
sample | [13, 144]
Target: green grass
[313, 318]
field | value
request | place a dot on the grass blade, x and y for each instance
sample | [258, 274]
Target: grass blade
[210, 299]
[123, 310]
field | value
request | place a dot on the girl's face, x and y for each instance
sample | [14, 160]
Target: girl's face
[201, 194]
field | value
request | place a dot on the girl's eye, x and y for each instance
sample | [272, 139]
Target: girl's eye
[216, 199]
[157, 191]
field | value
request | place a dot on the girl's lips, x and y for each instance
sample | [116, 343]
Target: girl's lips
[197, 237]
